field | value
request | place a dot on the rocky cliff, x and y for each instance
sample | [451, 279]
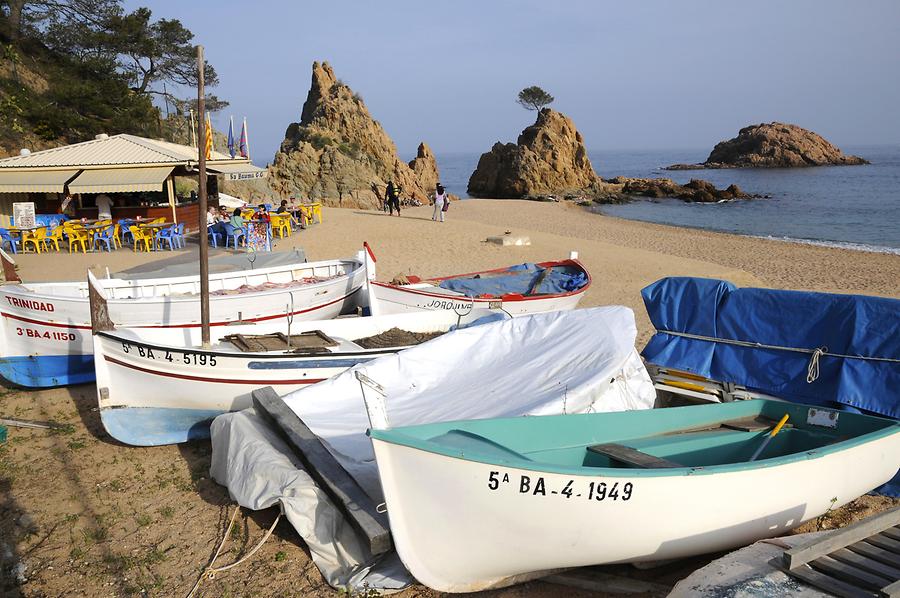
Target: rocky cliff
[773, 145]
[340, 155]
[548, 157]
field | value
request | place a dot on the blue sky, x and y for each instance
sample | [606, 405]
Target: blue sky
[633, 75]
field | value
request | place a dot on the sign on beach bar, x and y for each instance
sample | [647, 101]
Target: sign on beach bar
[23, 214]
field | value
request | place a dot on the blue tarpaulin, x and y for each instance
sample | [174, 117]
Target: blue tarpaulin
[840, 351]
[519, 279]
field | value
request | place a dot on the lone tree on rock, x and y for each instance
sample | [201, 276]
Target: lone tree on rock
[534, 98]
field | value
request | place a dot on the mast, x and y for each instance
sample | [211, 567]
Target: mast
[204, 238]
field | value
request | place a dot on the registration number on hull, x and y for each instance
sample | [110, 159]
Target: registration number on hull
[451, 304]
[170, 356]
[535, 485]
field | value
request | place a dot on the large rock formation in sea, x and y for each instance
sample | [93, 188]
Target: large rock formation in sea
[548, 158]
[773, 145]
[340, 155]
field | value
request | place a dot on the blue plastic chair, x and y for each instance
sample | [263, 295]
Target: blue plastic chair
[105, 236]
[5, 237]
[213, 233]
[178, 235]
[232, 233]
[165, 234]
[124, 225]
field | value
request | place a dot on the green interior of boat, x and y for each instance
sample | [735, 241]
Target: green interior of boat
[691, 439]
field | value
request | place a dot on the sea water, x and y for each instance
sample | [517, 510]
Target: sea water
[847, 206]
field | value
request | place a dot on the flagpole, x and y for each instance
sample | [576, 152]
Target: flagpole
[247, 133]
[203, 237]
[231, 136]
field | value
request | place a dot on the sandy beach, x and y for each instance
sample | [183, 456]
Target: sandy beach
[88, 516]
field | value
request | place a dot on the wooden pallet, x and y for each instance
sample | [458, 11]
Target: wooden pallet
[860, 560]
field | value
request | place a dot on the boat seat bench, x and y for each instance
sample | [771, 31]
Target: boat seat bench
[633, 457]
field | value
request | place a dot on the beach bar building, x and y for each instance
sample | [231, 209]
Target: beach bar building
[137, 173]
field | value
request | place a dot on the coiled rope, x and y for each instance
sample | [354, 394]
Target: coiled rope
[812, 369]
[210, 572]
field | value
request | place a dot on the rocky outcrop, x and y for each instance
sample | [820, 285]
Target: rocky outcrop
[340, 155]
[548, 158]
[424, 167]
[773, 145]
[621, 189]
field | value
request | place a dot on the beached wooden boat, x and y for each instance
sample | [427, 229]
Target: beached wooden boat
[477, 504]
[517, 290]
[159, 386]
[45, 333]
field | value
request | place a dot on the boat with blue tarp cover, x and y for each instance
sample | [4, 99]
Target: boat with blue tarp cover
[519, 289]
[833, 350]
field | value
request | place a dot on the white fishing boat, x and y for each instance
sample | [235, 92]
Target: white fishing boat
[45, 333]
[486, 503]
[517, 290]
[159, 386]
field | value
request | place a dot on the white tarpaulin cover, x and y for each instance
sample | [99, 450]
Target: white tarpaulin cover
[559, 362]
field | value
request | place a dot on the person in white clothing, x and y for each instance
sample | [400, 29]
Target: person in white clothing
[440, 197]
[104, 207]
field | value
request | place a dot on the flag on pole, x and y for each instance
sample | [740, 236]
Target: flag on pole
[208, 146]
[245, 146]
[231, 147]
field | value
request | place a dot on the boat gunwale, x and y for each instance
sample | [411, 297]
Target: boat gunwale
[396, 437]
[23, 289]
[510, 297]
[110, 335]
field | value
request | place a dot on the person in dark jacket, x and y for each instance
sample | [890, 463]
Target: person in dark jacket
[392, 197]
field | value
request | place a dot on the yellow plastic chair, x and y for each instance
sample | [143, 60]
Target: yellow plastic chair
[281, 225]
[248, 214]
[35, 237]
[78, 235]
[141, 236]
[55, 237]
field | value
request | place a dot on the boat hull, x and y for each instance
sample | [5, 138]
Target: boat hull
[150, 393]
[45, 339]
[494, 525]
[393, 298]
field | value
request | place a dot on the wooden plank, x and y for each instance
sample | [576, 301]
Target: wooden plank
[892, 532]
[882, 541]
[849, 573]
[630, 456]
[891, 591]
[752, 424]
[841, 538]
[871, 565]
[359, 509]
[809, 575]
[877, 554]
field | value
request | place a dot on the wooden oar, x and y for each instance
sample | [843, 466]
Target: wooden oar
[771, 435]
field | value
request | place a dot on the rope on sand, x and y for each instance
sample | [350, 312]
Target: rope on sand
[210, 571]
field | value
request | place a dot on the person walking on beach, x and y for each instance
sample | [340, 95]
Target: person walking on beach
[440, 198]
[392, 197]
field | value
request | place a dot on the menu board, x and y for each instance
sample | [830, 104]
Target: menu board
[23, 214]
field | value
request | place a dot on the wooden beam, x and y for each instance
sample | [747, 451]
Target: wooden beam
[630, 456]
[359, 509]
[841, 538]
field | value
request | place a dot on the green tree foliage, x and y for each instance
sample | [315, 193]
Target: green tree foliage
[534, 98]
[101, 65]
